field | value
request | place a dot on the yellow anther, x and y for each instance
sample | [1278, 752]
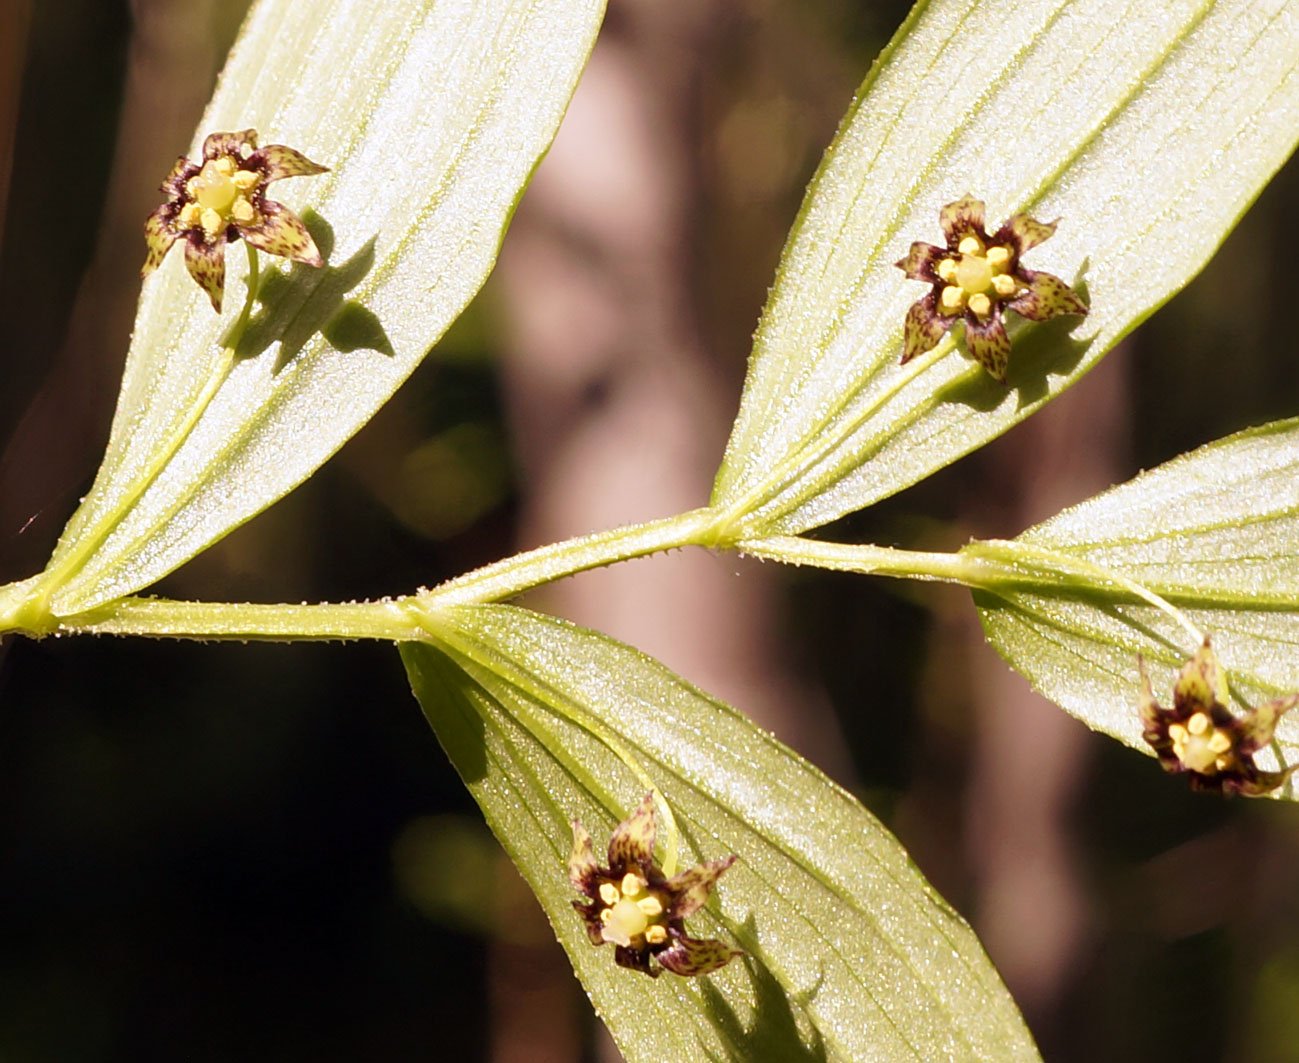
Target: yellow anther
[1221, 763]
[632, 884]
[1177, 732]
[981, 305]
[189, 215]
[225, 164]
[246, 179]
[656, 935]
[998, 257]
[1004, 284]
[242, 211]
[650, 905]
[606, 915]
[952, 301]
[1219, 743]
[212, 222]
[1198, 724]
[609, 893]
[970, 245]
[947, 269]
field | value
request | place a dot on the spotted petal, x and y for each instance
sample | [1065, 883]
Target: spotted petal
[1047, 296]
[691, 888]
[281, 232]
[963, 218]
[689, 956]
[159, 235]
[921, 261]
[218, 144]
[1256, 727]
[207, 265]
[1024, 232]
[988, 345]
[1200, 684]
[923, 329]
[582, 868]
[632, 844]
[174, 183]
[278, 161]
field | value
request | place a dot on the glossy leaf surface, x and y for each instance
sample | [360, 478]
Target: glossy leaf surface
[1146, 129]
[431, 117]
[850, 954]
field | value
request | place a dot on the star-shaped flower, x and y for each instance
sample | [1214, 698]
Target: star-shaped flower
[1198, 735]
[637, 908]
[212, 203]
[975, 278]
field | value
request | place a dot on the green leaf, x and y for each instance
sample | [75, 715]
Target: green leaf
[1214, 532]
[1145, 129]
[850, 955]
[431, 117]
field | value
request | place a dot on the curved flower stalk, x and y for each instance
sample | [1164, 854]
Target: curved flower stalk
[975, 278]
[224, 198]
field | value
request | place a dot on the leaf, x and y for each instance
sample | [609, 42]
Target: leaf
[1215, 532]
[850, 955]
[1145, 129]
[431, 117]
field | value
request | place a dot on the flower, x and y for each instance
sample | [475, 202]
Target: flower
[975, 278]
[223, 198]
[637, 908]
[1198, 735]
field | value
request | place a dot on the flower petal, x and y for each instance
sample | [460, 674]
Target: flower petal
[923, 329]
[634, 959]
[988, 344]
[1024, 232]
[590, 914]
[1200, 684]
[632, 844]
[278, 161]
[689, 956]
[690, 888]
[174, 184]
[961, 218]
[1256, 727]
[1047, 296]
[207, 265]
[921, 260]
[582, 868]
[240, 145]
[281, 232]
[159, 235]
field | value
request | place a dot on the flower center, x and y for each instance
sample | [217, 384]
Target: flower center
[220, 195]
[633, 915]
[976, 278]
[1199, 745]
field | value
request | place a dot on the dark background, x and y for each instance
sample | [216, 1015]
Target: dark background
[259, 852]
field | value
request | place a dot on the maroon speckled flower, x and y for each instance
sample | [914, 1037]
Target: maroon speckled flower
[1198, 735]
[223, 198]
[975, 278]
[637, 908]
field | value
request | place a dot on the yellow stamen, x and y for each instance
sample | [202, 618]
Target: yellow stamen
[1221, 763]
[246, 179]
[609, 893]
[981, 305]
[225, 164]
[1177, 732]
[1198, 723]
[189, 215]
[970, 245]
[212, 222]
[998, 258]
[242, 211]
[947, 269]
[632, 884]
[606, 915]
[656, 935]
[651, 905]
[952, 301]
[1004, 284]
[1219, 743]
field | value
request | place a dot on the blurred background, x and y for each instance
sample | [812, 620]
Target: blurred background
[212, 852]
